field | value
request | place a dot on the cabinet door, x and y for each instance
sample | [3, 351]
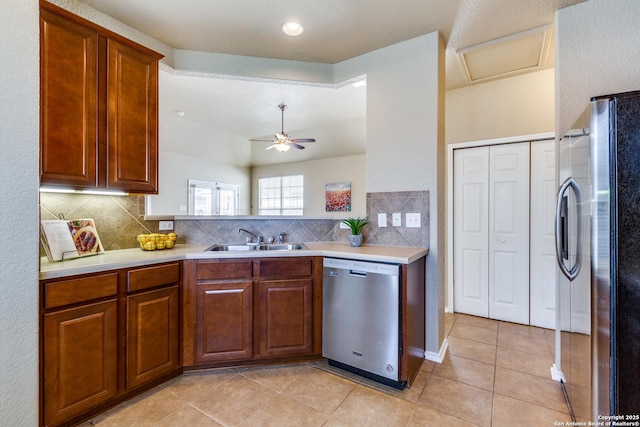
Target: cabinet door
[68, 102]
[543, 256]
[132, 119]
[471, 231]
[491, 231]
[509, 232]
[285, 323]
[80, 360]
[224, 321]
[153, 346]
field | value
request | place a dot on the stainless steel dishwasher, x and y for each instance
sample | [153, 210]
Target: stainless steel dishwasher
[361, 318]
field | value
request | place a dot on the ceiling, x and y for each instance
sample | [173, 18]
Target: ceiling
[335, 30]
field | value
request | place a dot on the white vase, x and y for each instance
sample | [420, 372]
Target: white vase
[355, 239]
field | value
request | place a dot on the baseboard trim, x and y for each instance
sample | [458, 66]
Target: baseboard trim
[556, 374]
[439, 356]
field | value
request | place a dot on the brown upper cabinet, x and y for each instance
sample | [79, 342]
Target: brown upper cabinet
[98, 107]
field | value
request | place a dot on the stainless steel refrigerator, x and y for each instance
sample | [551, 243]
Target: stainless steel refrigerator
[598, 252]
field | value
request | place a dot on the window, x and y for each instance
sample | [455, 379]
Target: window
[281, 195]
[212, 198]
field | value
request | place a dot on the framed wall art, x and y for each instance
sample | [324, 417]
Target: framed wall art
[338, 197]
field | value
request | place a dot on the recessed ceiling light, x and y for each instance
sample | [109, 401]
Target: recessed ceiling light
[292, 28]
[180, 113]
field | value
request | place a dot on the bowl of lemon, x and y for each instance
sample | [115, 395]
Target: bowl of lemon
[156, 241]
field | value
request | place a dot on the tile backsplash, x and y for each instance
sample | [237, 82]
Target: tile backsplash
[119, 219]
[402, 202]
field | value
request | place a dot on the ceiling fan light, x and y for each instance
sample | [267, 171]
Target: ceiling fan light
[283, 147]
[292, 28]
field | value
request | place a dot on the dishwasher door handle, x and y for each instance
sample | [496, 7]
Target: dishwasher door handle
[357, 273]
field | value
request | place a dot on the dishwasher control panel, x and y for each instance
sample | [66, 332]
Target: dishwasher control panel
[362, 266]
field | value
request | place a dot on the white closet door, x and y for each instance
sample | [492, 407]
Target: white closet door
[543, 259]
[470, 234]
[509, 232]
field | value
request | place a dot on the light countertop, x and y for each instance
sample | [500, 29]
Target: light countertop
[127, 258]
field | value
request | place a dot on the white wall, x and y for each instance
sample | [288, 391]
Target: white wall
[177, 169]
[519, 105]
[191, 150]
[405, 143]
[402, 112]
[19, 215]
[597, 45]
[317, 173]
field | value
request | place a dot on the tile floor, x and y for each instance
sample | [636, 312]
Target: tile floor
[494, 374]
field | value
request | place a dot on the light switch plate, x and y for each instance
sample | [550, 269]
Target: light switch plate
[396, 219]
[165, 225]
[382, 220]
[413, 220]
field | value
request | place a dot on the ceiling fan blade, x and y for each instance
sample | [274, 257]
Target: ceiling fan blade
[283, 141]
[261, 140]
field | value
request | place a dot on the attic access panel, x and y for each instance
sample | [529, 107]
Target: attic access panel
[513, 54]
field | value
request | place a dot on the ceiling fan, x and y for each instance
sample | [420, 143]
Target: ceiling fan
[283, 141]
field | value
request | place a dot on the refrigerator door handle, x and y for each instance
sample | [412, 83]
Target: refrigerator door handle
[562, 229]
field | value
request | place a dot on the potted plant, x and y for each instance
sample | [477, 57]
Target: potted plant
[356, 225]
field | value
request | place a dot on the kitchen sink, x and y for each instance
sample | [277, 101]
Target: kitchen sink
[257, 247]
[226, 248]
[282, 247]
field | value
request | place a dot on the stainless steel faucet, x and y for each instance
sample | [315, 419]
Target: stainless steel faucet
[252, 236]
[281, 238]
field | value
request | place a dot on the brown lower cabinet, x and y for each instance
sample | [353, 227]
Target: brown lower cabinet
[285, 324]
[252, 311]
[80, 359]
[153, 345]
[224, 319]
[106, 337]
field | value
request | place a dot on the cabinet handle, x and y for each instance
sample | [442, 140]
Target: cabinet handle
[223, 291]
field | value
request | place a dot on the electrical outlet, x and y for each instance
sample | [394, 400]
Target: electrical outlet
[183, 208]
[396, 219]
[165, 225]
[343, 226]
[413, 220]
[382, 220]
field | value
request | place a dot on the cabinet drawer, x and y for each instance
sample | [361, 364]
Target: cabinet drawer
[57, 294]
[151, 277]
[241, 269]
[290, 267]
